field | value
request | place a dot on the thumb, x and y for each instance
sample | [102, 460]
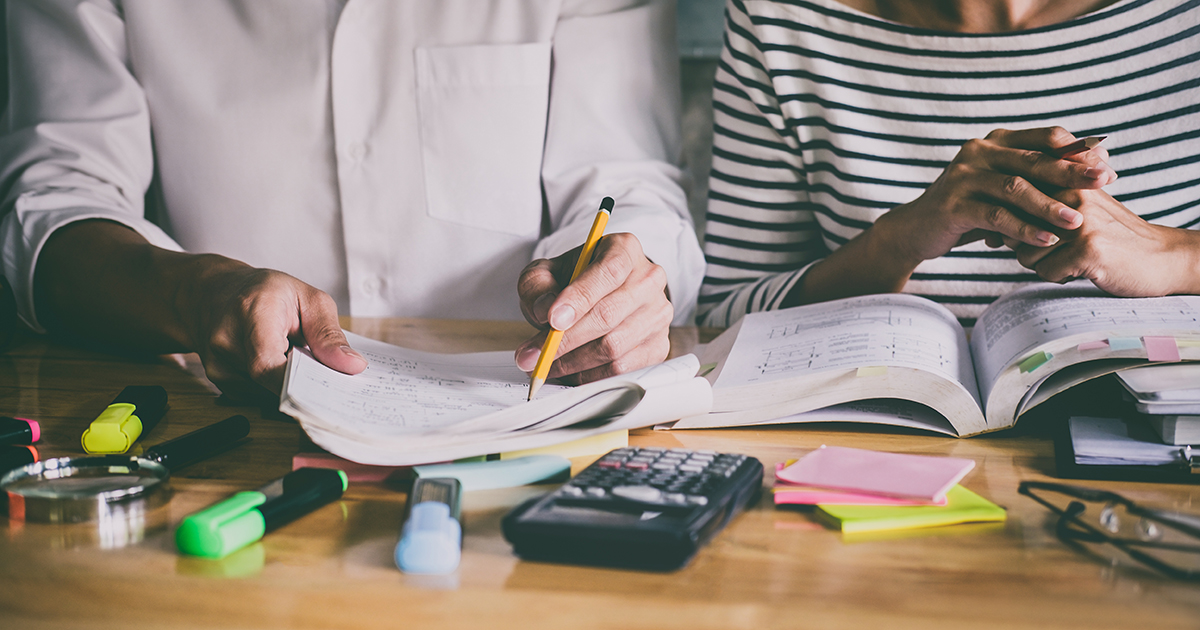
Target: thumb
[324, 336]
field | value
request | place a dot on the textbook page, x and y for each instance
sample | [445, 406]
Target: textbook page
[412, 407]
[893, 330]
[406, 391]
[1032, 317]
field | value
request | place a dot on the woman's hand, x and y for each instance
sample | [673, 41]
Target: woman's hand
[993, 189]
[1117, 250]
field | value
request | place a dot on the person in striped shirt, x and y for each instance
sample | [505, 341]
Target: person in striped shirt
[873, 146]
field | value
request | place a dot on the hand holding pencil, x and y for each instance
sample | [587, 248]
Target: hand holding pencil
[603, 309]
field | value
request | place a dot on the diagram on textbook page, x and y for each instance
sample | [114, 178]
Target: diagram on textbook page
[887, 330]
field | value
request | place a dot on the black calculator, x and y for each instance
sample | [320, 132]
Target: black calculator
[645, 508]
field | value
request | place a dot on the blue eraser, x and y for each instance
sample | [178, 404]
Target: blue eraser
[431, 541]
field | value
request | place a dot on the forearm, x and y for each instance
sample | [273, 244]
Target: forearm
[870, 263]
[102, 281]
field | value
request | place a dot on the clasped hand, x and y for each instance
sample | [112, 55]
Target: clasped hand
[993, 190]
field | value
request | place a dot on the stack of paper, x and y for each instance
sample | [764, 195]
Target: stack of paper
[413, 407]
[860, 490]
[1169, 395]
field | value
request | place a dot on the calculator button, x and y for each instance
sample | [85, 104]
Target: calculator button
[645, 494]
[663, 466]
[652, 449]
[691, 468]
[571, 491]
[598, 493]
[674, 497]
[637, 465]
[697, 500]
[608, 464]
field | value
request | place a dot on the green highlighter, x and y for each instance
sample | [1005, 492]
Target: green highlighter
[225, 527]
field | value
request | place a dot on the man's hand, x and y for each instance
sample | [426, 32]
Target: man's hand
[1117, 250]
[239, 319]
[247, 319]
[615, 317]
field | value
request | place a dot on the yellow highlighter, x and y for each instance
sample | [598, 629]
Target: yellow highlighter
[133, 412]
[550, 348]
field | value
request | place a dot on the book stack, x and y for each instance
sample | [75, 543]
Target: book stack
[1168, 396]
[860, 491]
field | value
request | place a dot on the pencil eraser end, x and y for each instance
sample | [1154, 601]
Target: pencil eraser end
[607, 204]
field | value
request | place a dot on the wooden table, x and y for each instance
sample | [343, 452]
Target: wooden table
[333, 569]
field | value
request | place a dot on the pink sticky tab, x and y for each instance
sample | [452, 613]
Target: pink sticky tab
[1161, 349]
[1094, 345]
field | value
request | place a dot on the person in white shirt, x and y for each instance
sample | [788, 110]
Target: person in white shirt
[225, 176]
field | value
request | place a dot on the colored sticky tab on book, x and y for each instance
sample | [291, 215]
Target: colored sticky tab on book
[1037, 360]
[1187, 343]
[1124, 343]
[874, 370]
[963, 506]
[1161, 349]
[1093, 345]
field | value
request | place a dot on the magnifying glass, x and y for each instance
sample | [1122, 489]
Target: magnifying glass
[106, 487]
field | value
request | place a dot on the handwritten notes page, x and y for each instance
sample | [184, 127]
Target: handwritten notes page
[413, 407]
[875, 330]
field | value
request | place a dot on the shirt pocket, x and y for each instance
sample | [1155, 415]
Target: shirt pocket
[483, 126]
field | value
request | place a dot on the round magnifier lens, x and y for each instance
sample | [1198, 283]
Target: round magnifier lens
[77, 489]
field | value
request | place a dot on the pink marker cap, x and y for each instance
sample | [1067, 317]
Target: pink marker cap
[34, 427]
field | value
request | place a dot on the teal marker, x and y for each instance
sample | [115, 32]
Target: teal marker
[225, 527]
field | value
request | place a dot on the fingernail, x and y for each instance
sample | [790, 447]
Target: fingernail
[527, 358]
[1095, 173]
[541, 306]
[1047, 238]
[562, 318]
[352, 352]
[1069, 215]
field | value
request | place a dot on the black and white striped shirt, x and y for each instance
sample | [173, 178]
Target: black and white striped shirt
[825, 118]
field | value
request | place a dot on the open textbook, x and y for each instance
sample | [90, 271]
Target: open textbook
[1026, 347]
[412, 407]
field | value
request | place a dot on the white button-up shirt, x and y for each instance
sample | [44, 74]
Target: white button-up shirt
[409, 157]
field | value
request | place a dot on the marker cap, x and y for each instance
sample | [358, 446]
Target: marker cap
[19, 431]
[134, 411]
[431, 542]
[114, 431]
[222, 529]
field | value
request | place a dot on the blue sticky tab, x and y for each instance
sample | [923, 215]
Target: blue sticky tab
[1124, 343]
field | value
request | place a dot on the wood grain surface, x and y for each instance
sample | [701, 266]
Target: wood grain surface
[333, 569]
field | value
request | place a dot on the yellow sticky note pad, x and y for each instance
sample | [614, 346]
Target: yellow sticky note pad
[874, 370]
[962, 506]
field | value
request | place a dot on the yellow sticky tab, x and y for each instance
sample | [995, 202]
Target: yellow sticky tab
[874, 370]
[114, 431]
[1188, 343]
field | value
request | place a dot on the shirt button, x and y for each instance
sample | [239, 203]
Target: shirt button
[372, 285]
[356, 152]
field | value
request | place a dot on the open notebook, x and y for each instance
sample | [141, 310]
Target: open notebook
[411, 407]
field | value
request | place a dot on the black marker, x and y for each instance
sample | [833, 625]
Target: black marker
[16, 456]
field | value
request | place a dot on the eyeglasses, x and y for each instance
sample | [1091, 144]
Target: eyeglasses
[1166, 541]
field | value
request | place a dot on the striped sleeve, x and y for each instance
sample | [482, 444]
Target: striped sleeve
[761, 228]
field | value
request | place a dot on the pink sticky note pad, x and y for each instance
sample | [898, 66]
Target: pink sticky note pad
[354, 471]
[1161, 349]
[1094, 345]
[789, 495]
[861, 471]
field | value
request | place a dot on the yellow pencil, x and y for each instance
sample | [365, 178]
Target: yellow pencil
[550, 348]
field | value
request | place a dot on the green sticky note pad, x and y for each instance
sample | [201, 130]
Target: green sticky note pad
[962, 506]
[1036, 361]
